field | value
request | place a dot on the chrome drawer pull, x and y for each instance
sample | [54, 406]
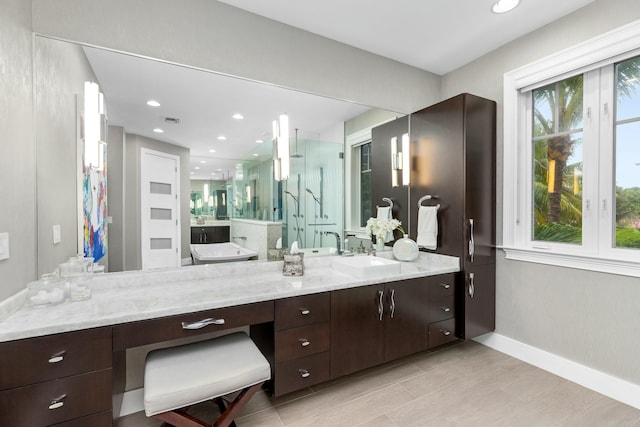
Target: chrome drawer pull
[472, 286]
[202, 323]
[445, 285]
[304, 311]
[57, 357]
[392, 306]
[445, 333]
[304, 342]
[472, 243]
[445, 309]
[304, 373]
[58, 402]
[380, 306]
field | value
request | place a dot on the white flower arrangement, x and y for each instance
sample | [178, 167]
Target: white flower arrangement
[379, 227]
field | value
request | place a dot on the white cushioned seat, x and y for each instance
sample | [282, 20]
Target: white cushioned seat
[188, 374]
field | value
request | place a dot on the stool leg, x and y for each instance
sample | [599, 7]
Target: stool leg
[180, 419]
[234, 407]
[220, 402]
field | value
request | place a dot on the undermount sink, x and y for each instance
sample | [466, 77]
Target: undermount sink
[366, 266]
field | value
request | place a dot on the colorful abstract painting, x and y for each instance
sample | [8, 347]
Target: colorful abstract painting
[94, 188]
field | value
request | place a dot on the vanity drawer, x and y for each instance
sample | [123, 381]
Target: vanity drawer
[302, 341]
[168, 328]
[441, 285]
[303, 310]
[442, 332]
[102, 419]
[441, 308]
[34, 360]
[56, 401]
[300, 373]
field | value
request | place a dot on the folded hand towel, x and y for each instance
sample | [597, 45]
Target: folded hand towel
[428, 227]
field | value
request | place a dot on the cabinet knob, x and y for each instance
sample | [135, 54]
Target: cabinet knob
[445, 332]
[445, 309]
[57, 357]
[304, 311]
[445, 285]
[58, 402]
[304, 342]
[304, 373]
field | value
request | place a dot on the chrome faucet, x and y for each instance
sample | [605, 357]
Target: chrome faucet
[337, 240]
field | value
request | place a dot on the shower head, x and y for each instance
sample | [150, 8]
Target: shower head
[295, 199]
[313, 195]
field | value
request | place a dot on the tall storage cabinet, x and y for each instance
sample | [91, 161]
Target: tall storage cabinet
[453, 158]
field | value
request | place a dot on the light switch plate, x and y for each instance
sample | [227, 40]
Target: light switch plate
[4, 246]
[56, 234]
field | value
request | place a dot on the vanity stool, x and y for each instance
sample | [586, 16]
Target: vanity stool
[176, 378]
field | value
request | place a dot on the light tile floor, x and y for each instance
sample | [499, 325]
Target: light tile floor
[466, 384]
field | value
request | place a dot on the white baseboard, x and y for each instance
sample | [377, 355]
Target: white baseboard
[608, 385]
[132, 402]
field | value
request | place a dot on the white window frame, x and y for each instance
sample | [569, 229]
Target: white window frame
[586, 58]
[352, 180]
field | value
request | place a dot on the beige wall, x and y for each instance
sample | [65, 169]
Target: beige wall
[17, 155]
[587, 317]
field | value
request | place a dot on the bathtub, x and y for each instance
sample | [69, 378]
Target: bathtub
[220, 252]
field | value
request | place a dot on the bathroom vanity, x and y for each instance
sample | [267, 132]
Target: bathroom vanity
[61, 365]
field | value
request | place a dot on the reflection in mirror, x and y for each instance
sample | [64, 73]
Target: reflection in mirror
[220, 129]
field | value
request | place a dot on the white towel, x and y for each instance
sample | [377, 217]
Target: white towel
[385, 212]
[428, 227]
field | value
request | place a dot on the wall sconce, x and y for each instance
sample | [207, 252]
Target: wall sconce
[94, 126]
[400, 161]
[205, 190]
[281, 148]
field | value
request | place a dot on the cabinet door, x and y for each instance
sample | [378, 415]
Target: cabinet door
[477, 301]
[357, 331]
[406, 318]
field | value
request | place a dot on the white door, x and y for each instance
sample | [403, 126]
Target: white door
[160, 210]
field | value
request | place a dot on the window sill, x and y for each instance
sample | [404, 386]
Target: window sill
[581, 262]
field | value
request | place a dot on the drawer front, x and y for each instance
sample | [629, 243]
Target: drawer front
[34, 360]
[442, 285]
[168, 328]
[303, 310]
[441, 308]
[43, 404]
[302, 341]
[442, 332]
[102, 419]
[300, 373]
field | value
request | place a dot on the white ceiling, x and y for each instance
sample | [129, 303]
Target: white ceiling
[435, 35]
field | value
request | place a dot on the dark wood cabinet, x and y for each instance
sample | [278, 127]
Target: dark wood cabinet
[56, 379]
[217, 234]
[374, 324]
[453, 157]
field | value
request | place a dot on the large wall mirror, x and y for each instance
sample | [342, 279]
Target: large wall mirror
[219, 128]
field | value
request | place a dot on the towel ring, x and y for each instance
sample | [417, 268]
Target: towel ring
[428, 197]
[388, 200]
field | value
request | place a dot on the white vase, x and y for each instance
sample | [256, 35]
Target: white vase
[379, 244]
[405, 249]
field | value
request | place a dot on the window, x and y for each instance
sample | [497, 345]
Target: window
[572, 157]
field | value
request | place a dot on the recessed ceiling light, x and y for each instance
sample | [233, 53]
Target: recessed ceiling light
[222, 138]
[212, 151]
[259, 141]
[255, 154]
[503, 6]
[192, 172]
[153, 103]
[238, 116]
[197, 168]
[203, 161]
[219, 170]
[158, 130]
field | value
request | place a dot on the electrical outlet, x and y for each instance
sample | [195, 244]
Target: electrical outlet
[57, 237]
[4, 246]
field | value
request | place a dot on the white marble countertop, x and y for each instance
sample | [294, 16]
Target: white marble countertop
[131, 296]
